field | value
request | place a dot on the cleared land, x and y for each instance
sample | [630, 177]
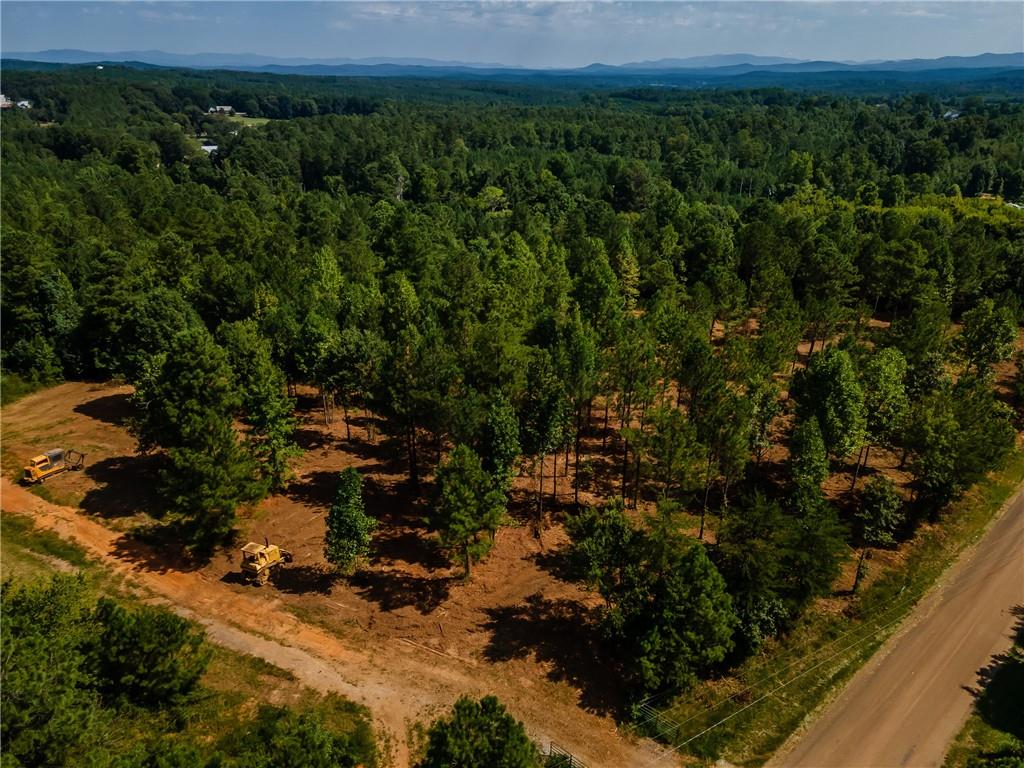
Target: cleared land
[905, 707]
[421, 635]
[405, 638]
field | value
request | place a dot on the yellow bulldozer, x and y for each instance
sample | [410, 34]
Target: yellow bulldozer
[52, 463]
[259, 560]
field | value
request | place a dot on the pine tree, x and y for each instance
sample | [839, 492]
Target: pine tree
[185, 403]
[468, 504]
[266, 407]
[148, 656]
[479, 735]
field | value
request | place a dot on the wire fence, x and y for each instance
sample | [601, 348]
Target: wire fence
[561, 758]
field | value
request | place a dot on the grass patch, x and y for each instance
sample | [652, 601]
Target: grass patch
[225, 709]
[55, 495]
[824, 649]
[13, 387]
[249, 122]
[28, 552]
[994, 734]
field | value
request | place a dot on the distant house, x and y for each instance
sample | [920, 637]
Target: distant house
[24, 104]
[99, 66]
[209, 148]
[221, 109]
[950, 115]
[5, 103]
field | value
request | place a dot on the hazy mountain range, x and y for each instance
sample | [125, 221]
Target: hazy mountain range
[719, 65]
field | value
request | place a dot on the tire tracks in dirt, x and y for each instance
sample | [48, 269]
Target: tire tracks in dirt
[400, 683]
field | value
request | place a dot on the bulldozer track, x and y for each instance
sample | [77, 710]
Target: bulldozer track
[399, 681]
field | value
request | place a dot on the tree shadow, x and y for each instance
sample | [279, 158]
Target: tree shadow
[396, 589]
[113, 409]
[158, 548]
[310, 439]
[399, 549]
[387, 454]
[559, 563]
[303, 579]
[407, 547]
[383, 500]
[998, 695]
[561, 634]
[316, 490]
[125, 486]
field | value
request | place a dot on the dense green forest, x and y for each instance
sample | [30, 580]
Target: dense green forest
[494, 269]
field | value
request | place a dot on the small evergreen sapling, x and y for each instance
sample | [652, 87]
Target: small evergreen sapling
[349, 528]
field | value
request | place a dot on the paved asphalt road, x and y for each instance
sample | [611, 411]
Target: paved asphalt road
[906, 705]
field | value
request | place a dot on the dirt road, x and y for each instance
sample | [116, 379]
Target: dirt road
[906, 705]
[401, 682]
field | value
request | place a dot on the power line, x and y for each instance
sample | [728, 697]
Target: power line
[893, 605]
[775, 690]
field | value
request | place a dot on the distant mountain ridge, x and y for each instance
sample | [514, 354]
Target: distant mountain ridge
[222, 60]
[718, 65]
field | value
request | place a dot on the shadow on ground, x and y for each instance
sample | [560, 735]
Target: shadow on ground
[158, 548]
[561, 634]
[558, 562]
[110, 409]
[126, 486]
[998, 698]
[305, 579]
[398, 589]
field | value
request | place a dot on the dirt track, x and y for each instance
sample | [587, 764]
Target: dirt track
[906, 705]
[400, 682]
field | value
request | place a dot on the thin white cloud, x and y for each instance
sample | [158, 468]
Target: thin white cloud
[919, 13]
[177, 16]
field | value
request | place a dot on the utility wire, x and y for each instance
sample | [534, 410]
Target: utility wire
[893, 605]
[775, 690]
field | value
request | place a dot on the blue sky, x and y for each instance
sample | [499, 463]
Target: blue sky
[571, 33]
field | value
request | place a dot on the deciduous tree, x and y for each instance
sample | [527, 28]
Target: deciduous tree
[828, 389]
[349, 528]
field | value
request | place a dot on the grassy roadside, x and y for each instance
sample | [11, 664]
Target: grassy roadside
[234, 685]
[994, 734]
[771, 694]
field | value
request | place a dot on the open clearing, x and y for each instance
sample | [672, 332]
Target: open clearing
[405, 637]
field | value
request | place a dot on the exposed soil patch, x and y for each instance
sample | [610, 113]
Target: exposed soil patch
[406, 634]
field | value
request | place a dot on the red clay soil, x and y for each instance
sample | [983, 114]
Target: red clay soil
[405, 636]
[515, 629]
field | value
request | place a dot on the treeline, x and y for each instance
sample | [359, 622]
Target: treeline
[493, 282]
[92, 682]
[717, 145]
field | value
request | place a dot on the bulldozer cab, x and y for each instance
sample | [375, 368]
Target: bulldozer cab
[44, 465]
[259, 559]
[254, 554]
